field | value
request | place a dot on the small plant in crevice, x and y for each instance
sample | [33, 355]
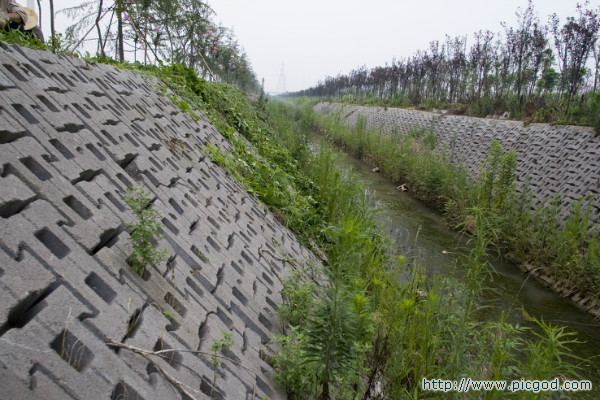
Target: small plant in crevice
[168, 314]
[145, 231]
[69, 348]
[218, 346]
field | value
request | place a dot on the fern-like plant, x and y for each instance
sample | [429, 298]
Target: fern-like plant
[146, 230]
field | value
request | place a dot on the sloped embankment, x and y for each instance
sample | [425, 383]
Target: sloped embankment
[73, 138]
[559, 159]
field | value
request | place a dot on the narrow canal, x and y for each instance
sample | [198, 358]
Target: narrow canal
[417, 230]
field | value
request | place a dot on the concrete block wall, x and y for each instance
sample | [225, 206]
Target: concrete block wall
[73, 137]
[557, 159]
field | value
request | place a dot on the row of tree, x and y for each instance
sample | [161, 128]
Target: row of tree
[525, 67]
[178, 31]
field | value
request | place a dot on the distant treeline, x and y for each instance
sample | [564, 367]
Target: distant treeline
[543, 72]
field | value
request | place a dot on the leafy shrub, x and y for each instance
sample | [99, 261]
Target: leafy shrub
[26, 39]
[594, 112]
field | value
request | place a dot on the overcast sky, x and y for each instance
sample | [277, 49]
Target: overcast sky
[313, 39]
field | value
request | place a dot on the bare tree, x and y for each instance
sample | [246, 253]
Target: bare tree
[596, 67]
[541, 56]
[520, 42]
[480, 60]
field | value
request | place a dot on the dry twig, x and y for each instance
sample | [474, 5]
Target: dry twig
[161, 353]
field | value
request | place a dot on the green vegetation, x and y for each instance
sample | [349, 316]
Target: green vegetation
[168, 314]
[403, 330]
[218, 346]
[408, 329]
[359, 321]
[145, 231]
[14, 36]
[569, 252]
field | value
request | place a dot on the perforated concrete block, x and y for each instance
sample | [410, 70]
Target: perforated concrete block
[14, 388]
[25, 70]
[10, 129]
[14, 195]
[64, 213]
[5, 82]
[24, 283]
[544, 152]
[39, 327]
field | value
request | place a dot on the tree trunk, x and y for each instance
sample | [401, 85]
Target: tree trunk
[107, 34]
[98, 17]
[145, 41]
[52, 30]
[597, 69]
[119, 8]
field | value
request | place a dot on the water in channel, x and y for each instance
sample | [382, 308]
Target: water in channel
[417, 230]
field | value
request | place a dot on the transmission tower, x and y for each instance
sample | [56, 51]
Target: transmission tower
[281, 82]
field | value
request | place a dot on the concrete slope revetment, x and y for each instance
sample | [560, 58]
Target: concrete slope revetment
[73, 137]
[558, 159]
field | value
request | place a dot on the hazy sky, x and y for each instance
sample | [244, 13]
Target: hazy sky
[313, 39]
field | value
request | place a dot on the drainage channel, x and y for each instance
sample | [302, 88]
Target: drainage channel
[416, 230]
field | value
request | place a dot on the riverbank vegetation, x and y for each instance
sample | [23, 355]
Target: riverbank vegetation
[539, 72]
[568, 252]
[422, 326]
